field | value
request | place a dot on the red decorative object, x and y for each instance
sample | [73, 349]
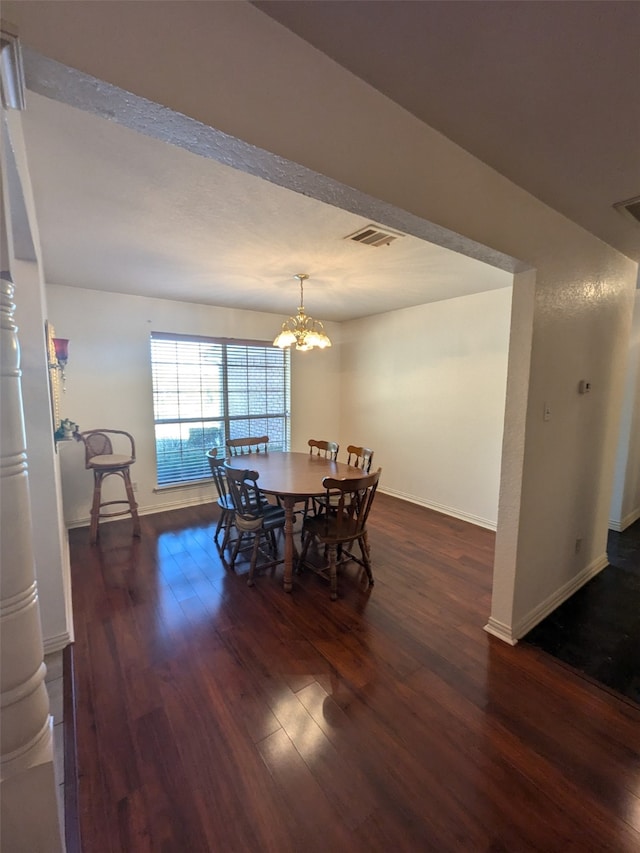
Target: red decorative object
[62, 350]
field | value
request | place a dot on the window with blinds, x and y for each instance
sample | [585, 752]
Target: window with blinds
[206, 390]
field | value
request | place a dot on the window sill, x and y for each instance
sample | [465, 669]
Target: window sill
[187, 484]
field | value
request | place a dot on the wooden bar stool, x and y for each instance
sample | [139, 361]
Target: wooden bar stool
[101, 459]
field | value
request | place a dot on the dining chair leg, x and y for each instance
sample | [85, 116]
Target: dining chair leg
[274, 546]
[333, 571]
[254, 558]
[236, 548]
[218, 528]
[365, 550]
[303, 554]
[228, 524]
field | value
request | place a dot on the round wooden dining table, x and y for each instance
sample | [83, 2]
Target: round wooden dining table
[293, 477]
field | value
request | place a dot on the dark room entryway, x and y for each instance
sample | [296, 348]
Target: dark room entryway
[597, 630]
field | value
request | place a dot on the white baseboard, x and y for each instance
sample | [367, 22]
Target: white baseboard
[445, 510]
[627, 521]
[501, 631]
[57, 643]
[524, 625]
[197, 501]
[145, 510]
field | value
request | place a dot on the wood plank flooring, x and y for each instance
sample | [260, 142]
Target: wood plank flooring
[215, 717]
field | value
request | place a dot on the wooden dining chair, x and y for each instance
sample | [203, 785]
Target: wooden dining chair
[326, 450]
[253, 518]
[246, 445]
[360, 457]
[226, 519]
[343, 526]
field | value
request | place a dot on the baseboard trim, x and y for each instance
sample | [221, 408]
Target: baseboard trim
[197, 501]
[445, 510]
[501, 631]
[57, 643]
[148, 510]
[524, 625]
[627, 521]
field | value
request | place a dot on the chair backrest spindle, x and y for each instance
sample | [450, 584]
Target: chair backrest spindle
[217, 472]
[244, 490]
[246, 445]
[360, 457]
[351, 502]
[326, 449]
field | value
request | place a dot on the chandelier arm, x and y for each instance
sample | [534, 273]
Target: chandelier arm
[302, 330]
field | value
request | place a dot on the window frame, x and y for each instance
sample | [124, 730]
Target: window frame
[229, 350]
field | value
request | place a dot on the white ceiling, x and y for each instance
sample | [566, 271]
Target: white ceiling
[546, 93]
[120, 211]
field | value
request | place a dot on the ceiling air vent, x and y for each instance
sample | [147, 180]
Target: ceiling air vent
[372, 235]
[630, 208]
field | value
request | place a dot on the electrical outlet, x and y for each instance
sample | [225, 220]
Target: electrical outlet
[546, 414]
[578, 545]
[135, 487]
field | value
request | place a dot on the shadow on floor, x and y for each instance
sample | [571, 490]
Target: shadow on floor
[597, 631]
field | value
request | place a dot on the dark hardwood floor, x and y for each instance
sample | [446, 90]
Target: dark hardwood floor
[215, 717]
[597, 630]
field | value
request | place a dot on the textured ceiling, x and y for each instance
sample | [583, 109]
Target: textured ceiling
[121, 211]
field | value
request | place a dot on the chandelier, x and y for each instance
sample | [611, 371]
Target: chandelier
[302, 330]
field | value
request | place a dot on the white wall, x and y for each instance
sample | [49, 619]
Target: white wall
[109, 383]
[50, 544]
[269, 88]
[625, 506]
[581, 321]
[425, 389]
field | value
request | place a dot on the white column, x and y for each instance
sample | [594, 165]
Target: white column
[29, 813]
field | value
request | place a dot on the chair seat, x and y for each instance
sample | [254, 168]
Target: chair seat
[111, 460]
[272, 516]
[268, 518]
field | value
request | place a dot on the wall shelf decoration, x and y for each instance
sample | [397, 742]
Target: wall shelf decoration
[55, 375]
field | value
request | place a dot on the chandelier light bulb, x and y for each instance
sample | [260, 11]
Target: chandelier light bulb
[302, 330]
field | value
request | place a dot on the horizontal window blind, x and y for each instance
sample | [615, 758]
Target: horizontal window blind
[206, 390]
